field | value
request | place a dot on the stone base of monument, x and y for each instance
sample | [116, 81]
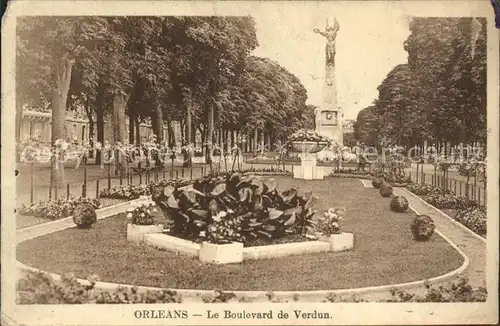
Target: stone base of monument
[308, 169]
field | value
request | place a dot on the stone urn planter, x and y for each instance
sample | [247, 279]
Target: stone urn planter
[339, 242]
[308, 169]
[135, 233]
[221, 253]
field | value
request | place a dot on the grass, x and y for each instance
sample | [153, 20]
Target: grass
[384, 252]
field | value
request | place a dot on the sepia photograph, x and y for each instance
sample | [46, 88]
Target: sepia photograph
[280, 159]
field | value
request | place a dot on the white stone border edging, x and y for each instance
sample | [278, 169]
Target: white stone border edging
[197, 295]
[460, 225]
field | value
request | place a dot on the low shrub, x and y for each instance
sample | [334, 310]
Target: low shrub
[84, 215]
[56, 209]
[377, 182]
[399, 204]
[422, 227]
[385, 190]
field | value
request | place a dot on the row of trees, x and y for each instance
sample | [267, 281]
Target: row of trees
[440, 94]
[196, 70]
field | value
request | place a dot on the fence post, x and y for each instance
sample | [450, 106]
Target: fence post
[121, 178]
[163, 173]
[455, 186]
[67, 191]
[97, 188]
[50, 190]
[176, 174]
[417, 171]
[55, 191]
[31, 183]
[109, 176]
[84, 187]
[191, 173]
[182, 172]
[460, 188]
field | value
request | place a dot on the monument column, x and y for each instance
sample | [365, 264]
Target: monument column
[329, 116]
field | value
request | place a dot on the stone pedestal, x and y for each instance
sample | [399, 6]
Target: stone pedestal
[308, 169]
[221, 254]
[339, 242]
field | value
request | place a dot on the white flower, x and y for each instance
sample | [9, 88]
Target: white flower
[129, 215]
[143, 215]
[202, 234]
[230, 211]
[155, 210]
[216, 218]
[222, 214]
[335, 224]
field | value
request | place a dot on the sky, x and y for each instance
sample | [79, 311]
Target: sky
[368, 45]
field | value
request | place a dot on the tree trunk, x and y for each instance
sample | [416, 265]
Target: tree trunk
[171, 135]
[137, 130]
[157, 123]
[119, 133]
[189, 137]
[210, 130]
[59, 99]
[131, 127]
[255, 140]
[100, 132]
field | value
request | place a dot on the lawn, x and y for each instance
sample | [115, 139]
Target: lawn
[384, 252]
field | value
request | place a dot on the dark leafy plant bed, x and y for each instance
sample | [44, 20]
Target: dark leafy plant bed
[230, 207]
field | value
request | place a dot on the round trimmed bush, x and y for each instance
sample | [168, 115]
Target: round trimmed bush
[84, 215]
[385, 190]
[422, 227]
[399, 204]
[377, 182]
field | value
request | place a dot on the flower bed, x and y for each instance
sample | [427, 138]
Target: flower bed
[129, 192]
[308, 135]
[41, 288]
[466, 211]
[56, 209]
[235, 207]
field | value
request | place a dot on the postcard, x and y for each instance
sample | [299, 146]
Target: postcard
[250, 162]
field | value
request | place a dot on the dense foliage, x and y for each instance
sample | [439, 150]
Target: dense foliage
[56, 209]
[440, 94]
[235, 207]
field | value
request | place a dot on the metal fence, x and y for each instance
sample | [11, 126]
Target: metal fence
[473, 189]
